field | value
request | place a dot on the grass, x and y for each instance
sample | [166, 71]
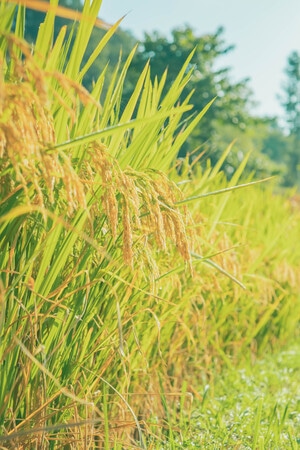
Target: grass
[124, 286]
[253, 406]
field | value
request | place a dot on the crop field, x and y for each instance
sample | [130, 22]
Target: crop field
[143, 304]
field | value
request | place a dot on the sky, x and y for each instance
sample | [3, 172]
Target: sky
[264, 33]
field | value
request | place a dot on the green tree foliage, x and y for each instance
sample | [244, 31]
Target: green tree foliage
[208, 81]
[262, 138]
[291, 103]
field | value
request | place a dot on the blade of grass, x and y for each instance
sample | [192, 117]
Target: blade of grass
[219, 268]
[222, 191]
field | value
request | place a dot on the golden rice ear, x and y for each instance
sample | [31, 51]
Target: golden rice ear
[27, 132]
[140, 206]
[127, 234]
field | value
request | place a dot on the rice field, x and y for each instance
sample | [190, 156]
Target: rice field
[127, 286]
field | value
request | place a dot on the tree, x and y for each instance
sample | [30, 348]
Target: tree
[232, 99]
[291, 103]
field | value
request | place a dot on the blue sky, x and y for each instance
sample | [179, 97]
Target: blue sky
[264, 33]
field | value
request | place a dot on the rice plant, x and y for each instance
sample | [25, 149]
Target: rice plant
[122, 283]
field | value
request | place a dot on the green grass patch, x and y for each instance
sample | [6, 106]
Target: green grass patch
[253, 406]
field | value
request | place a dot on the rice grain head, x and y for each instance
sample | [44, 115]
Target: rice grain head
[27, 132]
